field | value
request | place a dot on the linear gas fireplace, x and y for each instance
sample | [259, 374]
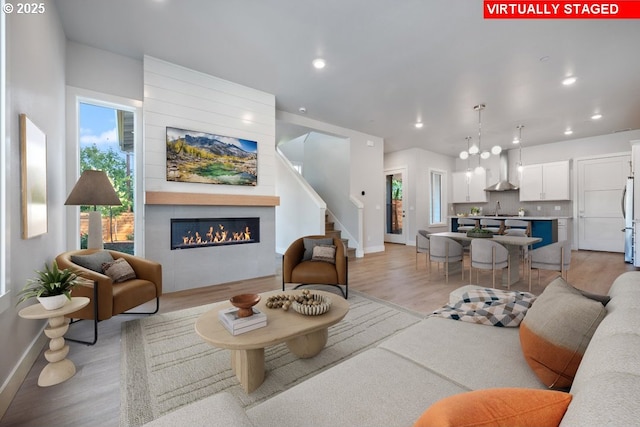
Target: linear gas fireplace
[189, 233]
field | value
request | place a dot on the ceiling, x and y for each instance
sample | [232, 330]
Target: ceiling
[391, 63]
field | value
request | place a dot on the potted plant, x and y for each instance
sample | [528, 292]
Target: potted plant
[52, 287]
[479, 232]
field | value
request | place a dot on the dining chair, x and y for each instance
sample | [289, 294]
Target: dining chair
[445, 250]
[422, 246]
[493, 225]
[518, 227]
[488, 255]
[554, 257]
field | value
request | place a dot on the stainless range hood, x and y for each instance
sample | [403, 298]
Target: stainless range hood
[503, 184]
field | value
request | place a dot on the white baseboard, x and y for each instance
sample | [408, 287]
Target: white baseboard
[12, 384]
[372, 249]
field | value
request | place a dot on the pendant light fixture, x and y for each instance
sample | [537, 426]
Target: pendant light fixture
[476, 149]
[519, 164]
[468, 173]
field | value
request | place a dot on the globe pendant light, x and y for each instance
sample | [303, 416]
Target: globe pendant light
[476, 149]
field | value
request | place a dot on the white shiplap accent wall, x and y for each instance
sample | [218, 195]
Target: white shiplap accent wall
[179, 97]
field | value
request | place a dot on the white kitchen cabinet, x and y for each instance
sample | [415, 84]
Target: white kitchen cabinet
[469, 191]
[545, 181]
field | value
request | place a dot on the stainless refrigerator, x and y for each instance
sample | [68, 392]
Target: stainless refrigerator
[627, 213]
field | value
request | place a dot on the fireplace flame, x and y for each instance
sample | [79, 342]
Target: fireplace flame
[215, 235]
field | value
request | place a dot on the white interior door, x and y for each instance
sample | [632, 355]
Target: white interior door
[600, 185]
[395, 213]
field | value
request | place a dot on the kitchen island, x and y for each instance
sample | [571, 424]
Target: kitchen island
[543, 227]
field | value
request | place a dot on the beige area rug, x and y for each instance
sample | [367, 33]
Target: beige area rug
[165, 364]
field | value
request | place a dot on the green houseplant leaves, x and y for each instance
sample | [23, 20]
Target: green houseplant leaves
[50, 282]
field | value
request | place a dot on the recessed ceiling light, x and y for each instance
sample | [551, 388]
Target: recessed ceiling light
[302, 110]
[419, 125]
[569, 81]
[568, 132]
[544, 58]
[319, 63]
[596, 116]
[516, 140]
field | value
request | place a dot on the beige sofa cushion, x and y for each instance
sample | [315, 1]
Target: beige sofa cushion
[556, 332]
[221, 409]
[373, 388]
[607, 385]
[475, 356]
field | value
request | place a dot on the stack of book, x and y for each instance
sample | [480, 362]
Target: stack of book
[239, 325]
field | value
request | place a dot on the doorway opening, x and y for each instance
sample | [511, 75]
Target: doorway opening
[395, 212]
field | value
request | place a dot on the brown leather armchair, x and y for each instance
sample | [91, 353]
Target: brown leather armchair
[306, 272]
[114, 298]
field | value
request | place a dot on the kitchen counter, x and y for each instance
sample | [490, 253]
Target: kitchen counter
[544, 227]
[524, 218]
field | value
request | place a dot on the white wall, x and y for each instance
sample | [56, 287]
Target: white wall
[365, 174]
[326, 167]
[103, 71]
[36, 87]
[301, 211]
[416, 197]
[179, 97]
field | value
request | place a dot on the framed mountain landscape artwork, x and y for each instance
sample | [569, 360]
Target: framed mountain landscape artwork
[207, 158]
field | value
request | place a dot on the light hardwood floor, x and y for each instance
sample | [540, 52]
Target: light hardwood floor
[92, 396]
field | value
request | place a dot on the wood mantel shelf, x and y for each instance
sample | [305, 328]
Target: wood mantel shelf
[201, 199]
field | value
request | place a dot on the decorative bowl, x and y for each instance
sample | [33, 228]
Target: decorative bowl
[245, 302]
[320, 305]
[476, 234]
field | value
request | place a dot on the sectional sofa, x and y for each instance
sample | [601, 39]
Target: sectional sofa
[394, 383]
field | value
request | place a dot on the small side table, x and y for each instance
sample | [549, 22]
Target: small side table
[59, 368]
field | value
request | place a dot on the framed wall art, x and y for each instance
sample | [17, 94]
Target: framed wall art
[33, 169]
[194, 156]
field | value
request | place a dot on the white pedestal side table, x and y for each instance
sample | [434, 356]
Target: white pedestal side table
[59, 368]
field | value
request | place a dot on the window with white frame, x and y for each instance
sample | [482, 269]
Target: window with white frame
[436, 199]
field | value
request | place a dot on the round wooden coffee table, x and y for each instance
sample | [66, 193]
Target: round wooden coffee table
[305, 336]
[59, 368]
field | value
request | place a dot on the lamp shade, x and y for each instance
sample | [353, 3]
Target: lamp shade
[93, 188]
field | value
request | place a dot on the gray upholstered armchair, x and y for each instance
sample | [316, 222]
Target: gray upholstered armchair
[555, 257]
[422, 246]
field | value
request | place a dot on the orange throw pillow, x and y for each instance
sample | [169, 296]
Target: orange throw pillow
[498, 407]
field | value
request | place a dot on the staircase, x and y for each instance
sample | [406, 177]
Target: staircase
[330, 231]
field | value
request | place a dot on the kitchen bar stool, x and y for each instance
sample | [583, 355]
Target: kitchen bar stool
[466, 224]
[493, 225]
[517, 227]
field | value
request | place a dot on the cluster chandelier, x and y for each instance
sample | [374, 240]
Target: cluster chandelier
[476, 149]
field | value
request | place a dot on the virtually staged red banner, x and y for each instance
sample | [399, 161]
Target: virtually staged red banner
[497, 9]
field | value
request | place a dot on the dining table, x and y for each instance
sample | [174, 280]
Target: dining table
[513, 244]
